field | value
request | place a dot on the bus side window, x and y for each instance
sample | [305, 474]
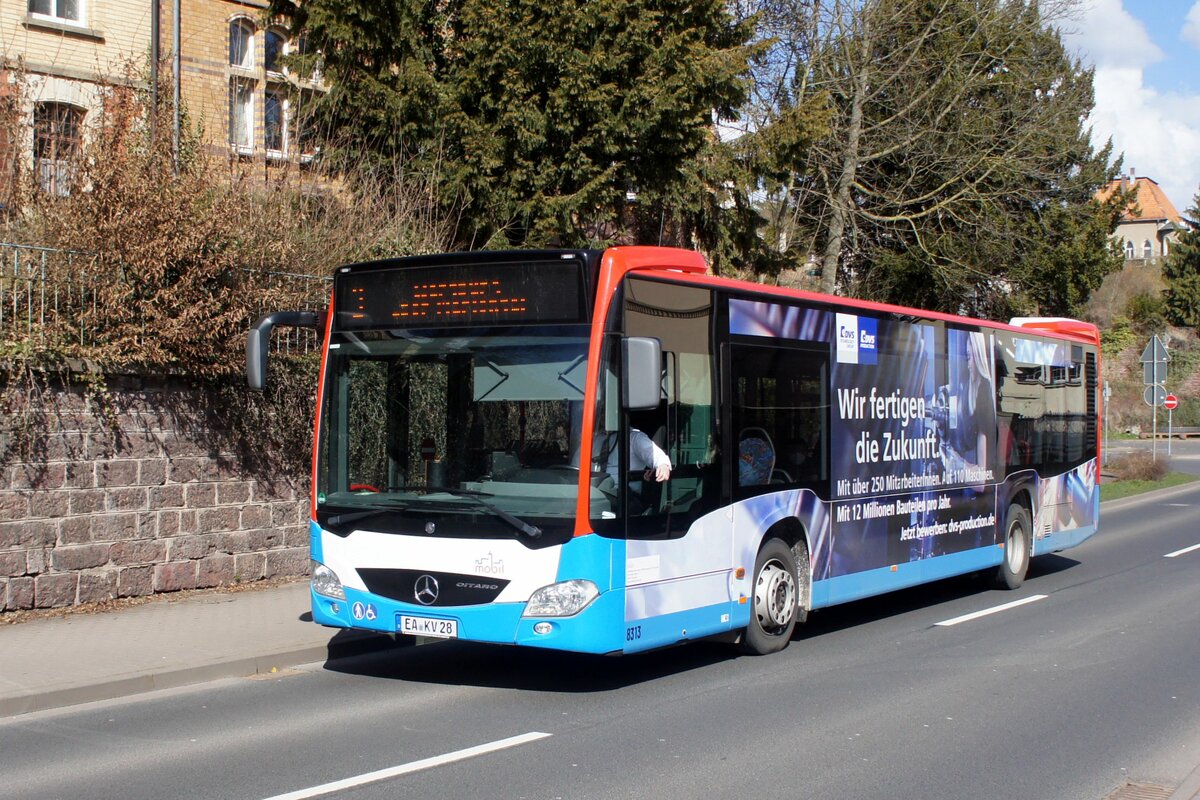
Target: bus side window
[780, 412]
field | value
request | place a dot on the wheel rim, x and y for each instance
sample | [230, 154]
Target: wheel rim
[1014, 547]
[774, 597]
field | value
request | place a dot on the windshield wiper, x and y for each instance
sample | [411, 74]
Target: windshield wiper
[532, 531]
[346, 517]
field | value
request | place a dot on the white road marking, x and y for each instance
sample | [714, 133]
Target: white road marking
[994, 610]
[1181, 552]
[412, 766]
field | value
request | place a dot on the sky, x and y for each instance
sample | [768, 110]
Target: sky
[1146, 54]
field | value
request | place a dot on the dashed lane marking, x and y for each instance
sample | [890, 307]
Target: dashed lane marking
[412, 766]
[993, 610]
[1181, 552]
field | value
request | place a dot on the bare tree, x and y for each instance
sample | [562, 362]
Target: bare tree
[952, 123]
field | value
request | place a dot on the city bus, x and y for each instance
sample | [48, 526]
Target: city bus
[475, 472]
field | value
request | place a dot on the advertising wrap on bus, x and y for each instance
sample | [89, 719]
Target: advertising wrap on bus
[919, 433]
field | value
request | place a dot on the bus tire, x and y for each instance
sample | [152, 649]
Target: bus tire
[1018, 532]
[775, 602]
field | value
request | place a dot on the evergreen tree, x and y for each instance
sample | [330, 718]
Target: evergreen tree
[543, 123]
[1182, 273]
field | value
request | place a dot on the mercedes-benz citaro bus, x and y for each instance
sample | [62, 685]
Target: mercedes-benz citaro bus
[484, 421]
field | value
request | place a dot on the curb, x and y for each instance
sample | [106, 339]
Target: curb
[1190, 788]
[1156, 494]
[348, 647]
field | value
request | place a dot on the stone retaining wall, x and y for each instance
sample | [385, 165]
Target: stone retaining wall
[151, 497]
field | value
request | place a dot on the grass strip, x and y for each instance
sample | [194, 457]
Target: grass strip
[1114, 489]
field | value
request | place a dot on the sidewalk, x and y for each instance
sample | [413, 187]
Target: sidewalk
[49, 663]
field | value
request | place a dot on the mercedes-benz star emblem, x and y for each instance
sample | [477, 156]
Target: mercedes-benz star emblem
[426, 590]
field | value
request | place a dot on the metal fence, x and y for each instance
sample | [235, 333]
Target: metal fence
[43, 289]
[50, 293]
[298, 292]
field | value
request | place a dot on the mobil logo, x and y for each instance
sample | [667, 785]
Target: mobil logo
[847, 338]
[868, 335]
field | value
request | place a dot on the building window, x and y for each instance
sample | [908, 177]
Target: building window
[241, 44]
[1147, 251]
[57, 143]
[62, 10]
[241, 115]
[274, 51]
[275, 122]
[1129, 251]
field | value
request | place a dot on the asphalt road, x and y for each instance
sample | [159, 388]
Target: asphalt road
[1062, 697]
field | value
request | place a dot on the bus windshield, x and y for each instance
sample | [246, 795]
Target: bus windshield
[475, 428]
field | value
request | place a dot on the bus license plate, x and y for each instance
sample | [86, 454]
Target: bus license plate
[428, 626]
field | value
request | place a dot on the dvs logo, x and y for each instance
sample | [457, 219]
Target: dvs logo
[857, 338]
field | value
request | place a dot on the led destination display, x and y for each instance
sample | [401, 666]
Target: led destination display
[460, 294]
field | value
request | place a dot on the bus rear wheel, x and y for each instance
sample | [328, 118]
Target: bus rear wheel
[775, 602]
[1017, 537]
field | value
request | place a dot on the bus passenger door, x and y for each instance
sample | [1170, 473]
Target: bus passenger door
[678, 540]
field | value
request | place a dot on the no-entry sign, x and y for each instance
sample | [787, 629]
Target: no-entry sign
[1170, 402]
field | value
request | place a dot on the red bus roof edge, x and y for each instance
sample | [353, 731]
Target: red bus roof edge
[670, 258]
[1061, 325]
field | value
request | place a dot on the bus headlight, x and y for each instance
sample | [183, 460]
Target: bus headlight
[326, 582]
[561, 599]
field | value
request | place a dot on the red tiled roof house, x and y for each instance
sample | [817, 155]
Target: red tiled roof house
[1150, 224]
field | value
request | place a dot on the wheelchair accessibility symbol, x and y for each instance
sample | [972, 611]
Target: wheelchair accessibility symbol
[366, 611]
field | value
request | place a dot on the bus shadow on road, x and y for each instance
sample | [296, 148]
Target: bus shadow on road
[528, 669]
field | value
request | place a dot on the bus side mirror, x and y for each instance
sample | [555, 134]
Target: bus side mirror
[642, 372]
[258, 342]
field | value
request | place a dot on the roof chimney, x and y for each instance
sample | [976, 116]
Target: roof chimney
[1132, 175]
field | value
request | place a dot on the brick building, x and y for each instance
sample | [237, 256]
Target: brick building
[250, 107]
[60, 55]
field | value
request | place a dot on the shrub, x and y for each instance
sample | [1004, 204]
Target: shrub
[183, 255]
[1117, 336]
[1147, 311]
[174, 259]
[1138, 466]
[1112, 298]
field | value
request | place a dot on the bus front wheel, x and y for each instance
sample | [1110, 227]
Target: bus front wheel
[1017, 532]
[775, 601]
